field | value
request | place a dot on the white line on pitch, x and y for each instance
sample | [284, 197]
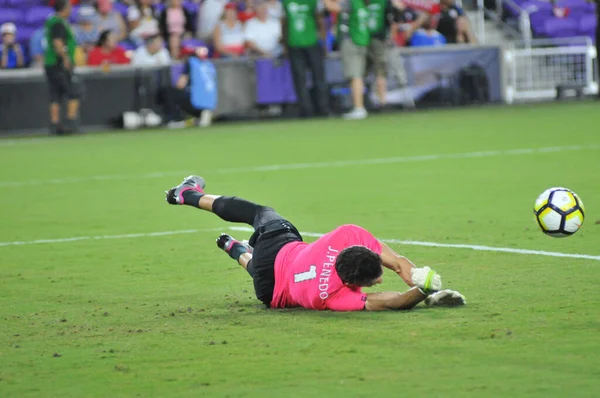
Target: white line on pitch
[103, 237]
[308, 234]
[458, 246]
[313, 165]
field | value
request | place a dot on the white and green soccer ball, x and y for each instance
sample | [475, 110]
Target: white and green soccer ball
[559, 212]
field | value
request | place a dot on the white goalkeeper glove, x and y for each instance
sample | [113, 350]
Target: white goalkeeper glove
[446, 298]
[426, 279]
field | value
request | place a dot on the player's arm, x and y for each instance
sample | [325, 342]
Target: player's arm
[419, 21]
[321, 24]
[397, 263]
[58, 33]
[394, 300]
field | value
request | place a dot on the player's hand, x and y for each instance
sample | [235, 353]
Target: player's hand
[426, 279]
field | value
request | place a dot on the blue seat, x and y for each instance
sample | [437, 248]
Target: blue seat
[26, 3]
[121, 9]
[191, 7]
[36, 16]
[11, 15]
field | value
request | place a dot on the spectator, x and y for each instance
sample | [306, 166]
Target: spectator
[73, 2]
[354, 38]
[175, 23]
[405, 21]
[381, 15]
[263, 34]
[427, 36]
[59, 63]
[301, 27]
[247, 10]
[275, 9]
[37, 47]
[11, 53]
[208, 18]
[86, 32]
[453, 24]
[142, 21]
[195, 92]
[228, 37]
[108, 19]
[106, 51]
[153, 53]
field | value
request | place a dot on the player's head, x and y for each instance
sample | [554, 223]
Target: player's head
[359, 266]
[63, 8]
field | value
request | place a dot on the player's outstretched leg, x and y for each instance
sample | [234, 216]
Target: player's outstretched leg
[230, 208]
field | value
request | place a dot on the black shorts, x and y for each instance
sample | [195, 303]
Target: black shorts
[61, 84]
[272, 232]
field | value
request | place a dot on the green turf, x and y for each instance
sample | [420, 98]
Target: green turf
[170, 316]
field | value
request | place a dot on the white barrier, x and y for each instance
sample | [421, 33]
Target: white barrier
[538, 69]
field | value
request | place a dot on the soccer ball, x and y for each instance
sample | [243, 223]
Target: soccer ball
[559, 212]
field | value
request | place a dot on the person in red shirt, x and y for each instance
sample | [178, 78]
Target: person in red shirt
[328, 274]
[107, 52]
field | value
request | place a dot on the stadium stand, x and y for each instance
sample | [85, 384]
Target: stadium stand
[556, 19]
[29, 16]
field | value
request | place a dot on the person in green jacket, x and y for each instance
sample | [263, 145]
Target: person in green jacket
[302, 26]
[354, 37]
[59, 60]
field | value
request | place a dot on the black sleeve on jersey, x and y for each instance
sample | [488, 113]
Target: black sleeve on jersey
[58, 31]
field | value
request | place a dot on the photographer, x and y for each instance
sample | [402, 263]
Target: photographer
[301, 26]
[11, 53]
[354, 38]
[59, 62]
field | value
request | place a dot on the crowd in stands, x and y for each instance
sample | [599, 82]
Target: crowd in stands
[153, 32]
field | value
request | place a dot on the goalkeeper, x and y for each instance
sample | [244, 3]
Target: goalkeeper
[328, 274]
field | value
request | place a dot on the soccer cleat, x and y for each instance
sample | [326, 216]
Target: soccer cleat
[247, 246]
[233, 247]
[226, 242]
[194, 183]
[446, 298]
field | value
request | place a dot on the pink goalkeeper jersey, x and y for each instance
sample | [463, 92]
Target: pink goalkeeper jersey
[305, 274]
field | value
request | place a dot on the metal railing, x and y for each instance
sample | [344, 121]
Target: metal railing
[478, 23]
[523, 31]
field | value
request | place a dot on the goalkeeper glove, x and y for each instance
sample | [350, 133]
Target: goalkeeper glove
[426, 279]
[446, 298]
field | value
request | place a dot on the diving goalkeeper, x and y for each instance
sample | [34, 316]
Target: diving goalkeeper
[328, 274]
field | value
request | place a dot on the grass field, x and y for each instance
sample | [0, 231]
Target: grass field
[120, 311]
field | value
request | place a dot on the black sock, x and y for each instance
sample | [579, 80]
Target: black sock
[191, 197]
[237, 250]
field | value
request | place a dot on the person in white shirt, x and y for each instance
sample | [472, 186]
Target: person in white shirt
[263, 34]
[142, 20]
[229, 38]
[208, 17]
[153, 53]
[275, 9]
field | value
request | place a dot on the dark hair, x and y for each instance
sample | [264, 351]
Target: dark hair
[141, 7]
[103, 38]
[357, 265]
[60, 5]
